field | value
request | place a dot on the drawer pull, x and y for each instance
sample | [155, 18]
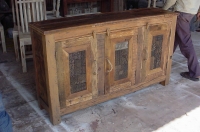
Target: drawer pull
[111, 67]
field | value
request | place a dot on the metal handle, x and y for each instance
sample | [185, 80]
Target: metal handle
[111, 67]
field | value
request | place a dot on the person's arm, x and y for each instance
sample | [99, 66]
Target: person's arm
[168, 4]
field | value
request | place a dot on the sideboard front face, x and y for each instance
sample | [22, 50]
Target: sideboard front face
[84, 66]
[77, 62]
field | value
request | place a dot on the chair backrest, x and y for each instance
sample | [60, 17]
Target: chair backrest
[29, 11]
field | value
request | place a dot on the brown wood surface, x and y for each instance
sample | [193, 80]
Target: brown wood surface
[141, 41]
[116, 37]
[98, 35]
[112, 95]
[51, 79]
[63, 80]
[171, 46]
[57, 25]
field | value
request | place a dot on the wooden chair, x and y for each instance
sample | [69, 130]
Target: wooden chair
[50, 15]
[2, 38]
[15, 32]
[28, 11]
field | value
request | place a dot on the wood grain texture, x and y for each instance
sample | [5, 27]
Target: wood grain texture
[170, 42]
[100, 63]
[51, 79]
[99, 38]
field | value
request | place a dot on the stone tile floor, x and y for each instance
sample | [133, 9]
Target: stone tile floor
[157, 108]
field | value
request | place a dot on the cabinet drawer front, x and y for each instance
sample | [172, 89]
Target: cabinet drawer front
[76, 65]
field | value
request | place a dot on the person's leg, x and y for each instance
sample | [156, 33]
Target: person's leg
[186, 45]
[5, 121]
[176, 41]
[193, 24]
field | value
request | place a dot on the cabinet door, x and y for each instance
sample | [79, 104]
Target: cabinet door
[76, 67]
[120, 48]
[155, 52]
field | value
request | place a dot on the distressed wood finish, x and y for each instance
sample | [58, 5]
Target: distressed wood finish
[85, 60]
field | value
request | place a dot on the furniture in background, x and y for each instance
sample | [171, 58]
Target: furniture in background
[53, 14]
[119, 5]
[3, 43]
[15, 32]
[81, 7]
[28, 11]
[156, 3]
[85, 60]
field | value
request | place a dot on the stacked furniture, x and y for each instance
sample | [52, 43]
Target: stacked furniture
[105, 6]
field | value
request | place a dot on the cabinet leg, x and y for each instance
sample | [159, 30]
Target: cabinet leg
[55, 119]
[41, 107]
[165, 82]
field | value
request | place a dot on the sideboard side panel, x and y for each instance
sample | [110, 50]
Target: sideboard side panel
[51, 79]
[40, 77]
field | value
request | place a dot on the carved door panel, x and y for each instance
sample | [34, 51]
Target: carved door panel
[155, 51]
[76, 67]
[120, 48]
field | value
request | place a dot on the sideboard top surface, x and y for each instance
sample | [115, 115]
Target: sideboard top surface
[49, 26]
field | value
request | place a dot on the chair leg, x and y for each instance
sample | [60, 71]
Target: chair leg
[57, 8]
[154, 3]
[3, 40]
[149, 3]
[54, 7]
[16, 45]
[23, 56]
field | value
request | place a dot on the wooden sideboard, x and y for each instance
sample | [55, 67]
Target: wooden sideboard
[85, 60]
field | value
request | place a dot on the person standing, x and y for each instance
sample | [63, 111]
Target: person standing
[186, 10]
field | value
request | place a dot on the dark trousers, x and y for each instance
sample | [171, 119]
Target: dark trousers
[184, 41]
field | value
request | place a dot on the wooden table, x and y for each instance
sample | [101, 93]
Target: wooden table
[86, 60]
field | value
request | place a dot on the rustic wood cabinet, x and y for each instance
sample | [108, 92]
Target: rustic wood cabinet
[85, 60]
